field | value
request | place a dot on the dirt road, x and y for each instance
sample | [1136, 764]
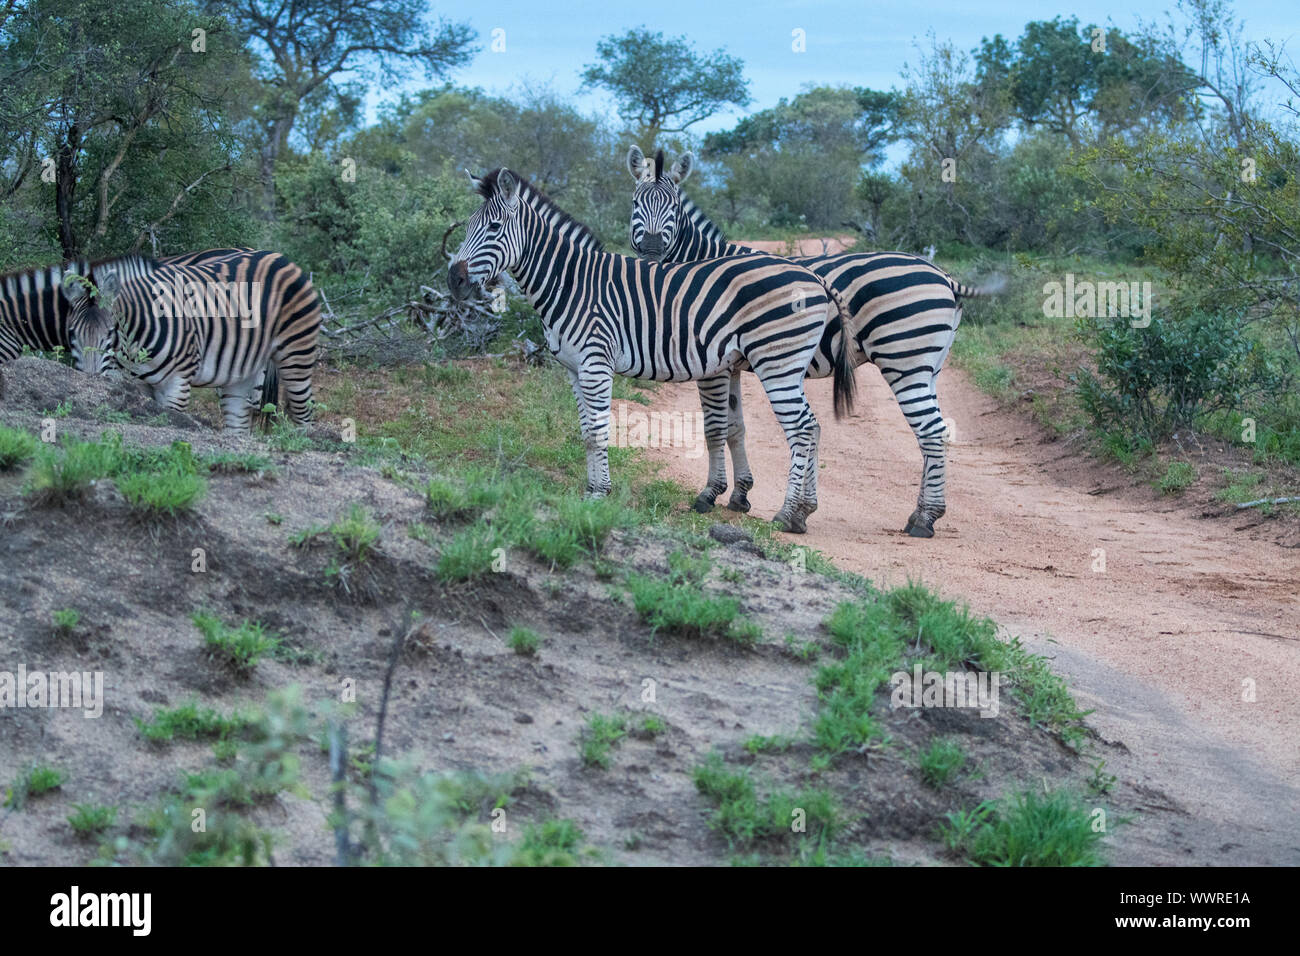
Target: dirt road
[1166, 640]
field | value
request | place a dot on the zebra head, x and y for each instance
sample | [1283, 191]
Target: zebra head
[657, 202]
[493, 237]
[92, 327]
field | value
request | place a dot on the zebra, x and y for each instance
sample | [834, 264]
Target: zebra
[177, 328]
[905, 312]
[605, 314]
[36, 305]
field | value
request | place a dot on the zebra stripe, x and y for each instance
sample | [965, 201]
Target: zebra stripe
[35, 306]
[606, 314]
[179, 330]
[905, 312]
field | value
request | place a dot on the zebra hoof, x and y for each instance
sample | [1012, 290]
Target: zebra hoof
[703, 505]
[793, 524]
[918, 530]
[739, 502]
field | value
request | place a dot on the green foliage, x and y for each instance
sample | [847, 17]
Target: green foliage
[744, 818]
[550, 843]
[685, 609]
[17, 447]
[37, 781]
[66, 621]
[91, 819]
[1152, 381]
[523, 641]
[1178, 477]
[190, 721]
[599, 737]
[161, 493]
[240, 647]
[940, 761]
[1027, 829]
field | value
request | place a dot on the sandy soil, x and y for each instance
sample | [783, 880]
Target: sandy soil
[1188, 613]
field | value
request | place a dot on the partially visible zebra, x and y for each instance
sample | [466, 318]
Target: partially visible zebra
[177, 327]
[36, 306]
[605, 314]
[905, 312]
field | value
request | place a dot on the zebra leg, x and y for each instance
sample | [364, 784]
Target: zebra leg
[593, 388]
[236, 405]
[296, 383]
[921, 406]
[801, 433]
[173, 393]
[713, 399]
[744, 478]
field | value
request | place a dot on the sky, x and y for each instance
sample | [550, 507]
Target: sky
[850, 42]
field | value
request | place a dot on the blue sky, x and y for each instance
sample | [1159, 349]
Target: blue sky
[848, 41]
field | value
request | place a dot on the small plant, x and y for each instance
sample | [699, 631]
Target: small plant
[599, 737]
[40, 780]
[940, 761]
[550, 843]
[190, 722]
[1101, 782]
[91, 819]
[681, 608]
[356, 534]
[470, 554]
[758, 744]
[1027, 829]
[16, 448]
[652, 726]
[161, 494]
[62, 474]
[523, 641]
[230, 463]
[66, 621]
[240, 647]
[1178, 477]
[274, 518]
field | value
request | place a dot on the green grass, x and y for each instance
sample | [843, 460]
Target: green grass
[744, 818]
[602, 732]
[356, 534]
[66, 621]
[550, 843]
[59, 474]
[91, 819]
[190, 721]
[941, 761]
[523, 641]
[470, 554]
[162, 494]
[39, 780]
[240, 647]
[17, 448]
[675, 607]
[232, 463]
[1026, 829]
[1178, 477]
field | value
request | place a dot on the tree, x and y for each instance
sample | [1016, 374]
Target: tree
[303, 46]
[664, 85]
[122, 112]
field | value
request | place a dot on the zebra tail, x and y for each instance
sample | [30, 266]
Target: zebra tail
[846, 386]
[270, 393]
[995, 286]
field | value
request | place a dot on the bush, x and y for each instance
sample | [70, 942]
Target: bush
[1152, 381]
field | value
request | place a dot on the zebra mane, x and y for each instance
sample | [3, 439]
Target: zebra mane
[546, 206]
[73, 265]
[701, 222]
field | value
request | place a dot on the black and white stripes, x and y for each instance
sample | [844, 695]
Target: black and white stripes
[905, 312]
[607, 314]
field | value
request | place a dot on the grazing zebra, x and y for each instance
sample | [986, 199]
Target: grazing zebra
[36, 305]
[219, 322]
[606, 314]
[904, 310]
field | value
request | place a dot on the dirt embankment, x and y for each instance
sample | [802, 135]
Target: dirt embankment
[1185, 641]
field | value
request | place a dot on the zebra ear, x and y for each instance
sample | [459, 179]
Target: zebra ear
[73, 287]
[474, 181]
[682, 168]
[110, 284]
[636, 162]
[507, 186]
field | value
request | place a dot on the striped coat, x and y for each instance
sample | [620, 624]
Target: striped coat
[904, 314]
[606, 314]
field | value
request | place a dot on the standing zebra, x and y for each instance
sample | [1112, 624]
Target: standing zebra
[905, 312]
[219, 322]
[606, 314]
